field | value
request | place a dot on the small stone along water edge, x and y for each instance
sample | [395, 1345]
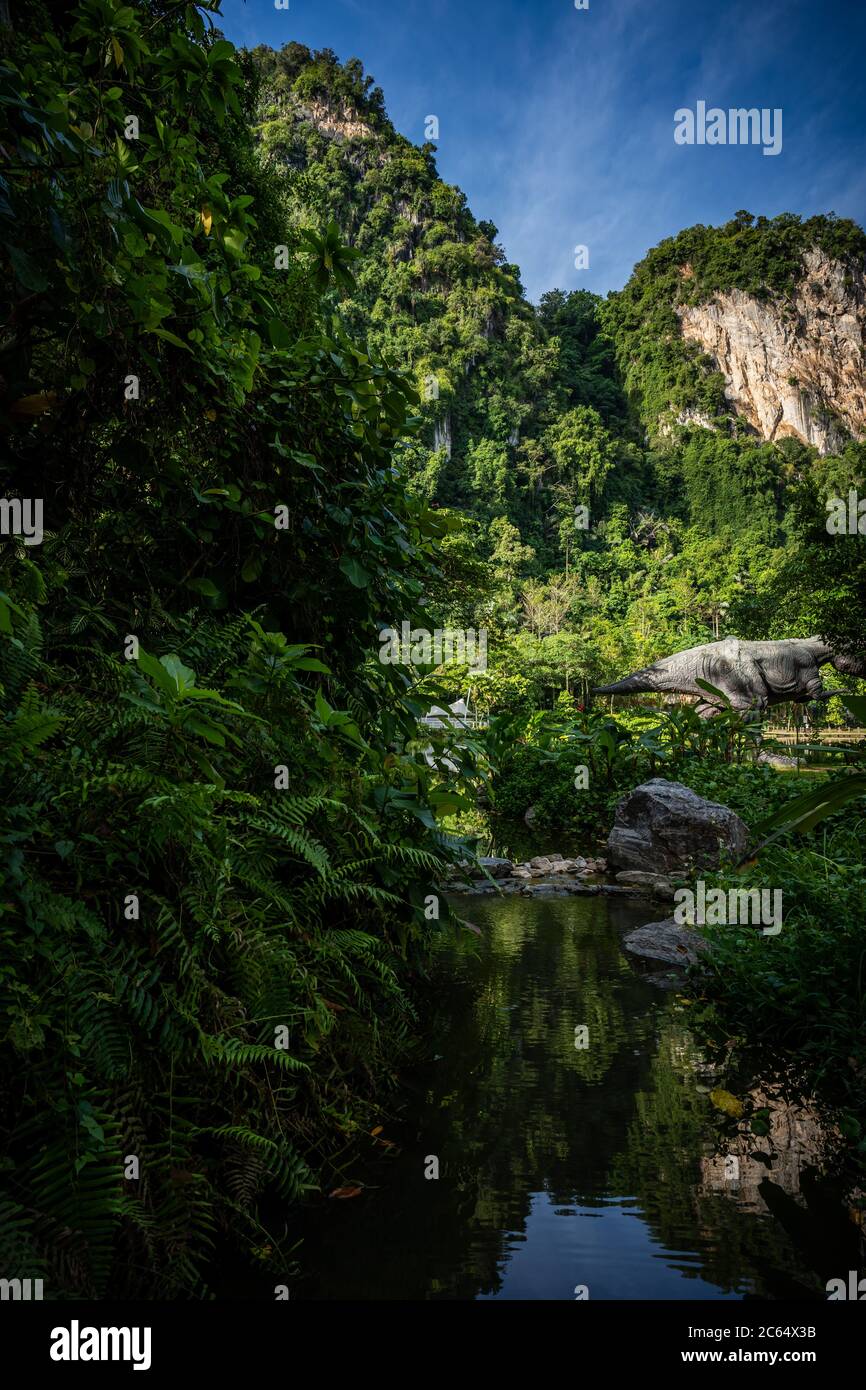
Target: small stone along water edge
[561, 1168]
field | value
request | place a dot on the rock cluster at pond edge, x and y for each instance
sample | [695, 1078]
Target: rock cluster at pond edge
[549, 875]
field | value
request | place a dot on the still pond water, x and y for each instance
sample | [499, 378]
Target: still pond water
[606, 1167]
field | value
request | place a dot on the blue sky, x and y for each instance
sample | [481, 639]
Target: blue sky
[558, 123]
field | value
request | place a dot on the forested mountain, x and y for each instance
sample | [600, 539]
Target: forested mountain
[701, 520]
[504, 388]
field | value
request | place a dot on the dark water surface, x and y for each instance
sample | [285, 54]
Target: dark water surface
[559, 1166]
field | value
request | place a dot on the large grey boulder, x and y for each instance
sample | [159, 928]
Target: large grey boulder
[665, 942]
[663, 827]
[497, 868]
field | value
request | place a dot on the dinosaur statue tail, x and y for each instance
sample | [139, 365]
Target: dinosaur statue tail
[631, 685]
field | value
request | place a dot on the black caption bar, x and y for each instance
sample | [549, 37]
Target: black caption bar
[157, 1339]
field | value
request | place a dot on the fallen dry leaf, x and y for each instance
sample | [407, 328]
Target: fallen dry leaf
[723, 1100]
[33, 405]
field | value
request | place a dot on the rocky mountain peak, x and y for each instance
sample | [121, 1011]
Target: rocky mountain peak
[794, 365]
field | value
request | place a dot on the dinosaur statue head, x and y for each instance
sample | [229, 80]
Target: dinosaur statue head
[850, 664]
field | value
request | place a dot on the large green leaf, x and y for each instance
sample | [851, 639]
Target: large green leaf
[805, 812]
[355, 571]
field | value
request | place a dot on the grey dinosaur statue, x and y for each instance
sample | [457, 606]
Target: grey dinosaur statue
[753, 675]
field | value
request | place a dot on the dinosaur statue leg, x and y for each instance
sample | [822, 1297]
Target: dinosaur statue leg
[705, 711]
[754, 708]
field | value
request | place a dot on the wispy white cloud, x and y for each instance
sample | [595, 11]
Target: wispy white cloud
[592, 158]
[558, 124]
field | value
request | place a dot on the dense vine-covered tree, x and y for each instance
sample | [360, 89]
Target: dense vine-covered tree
[218, 830]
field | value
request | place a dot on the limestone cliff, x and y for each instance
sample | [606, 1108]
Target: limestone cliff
[794, 365]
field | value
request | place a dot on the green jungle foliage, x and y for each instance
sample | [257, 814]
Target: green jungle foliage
[231, 831]
[537, 761]
[802, 993]
[278, 389]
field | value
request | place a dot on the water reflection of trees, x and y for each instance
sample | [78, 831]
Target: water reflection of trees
[743, 1228]
[524, 1109]
[512, 1108]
